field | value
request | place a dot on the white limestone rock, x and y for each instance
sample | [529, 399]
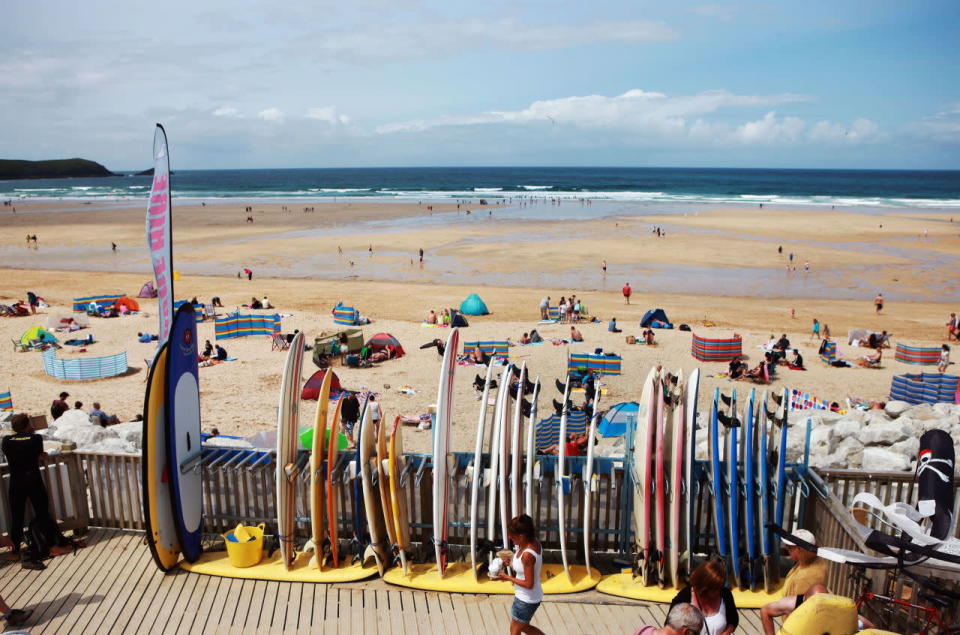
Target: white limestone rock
[922, 412]
[822, 441]
[112, 445]
[847, 427]
[85, 434]
[131, 432]
[883, 433]
[884, 460]
[896, 408]
[908, 447]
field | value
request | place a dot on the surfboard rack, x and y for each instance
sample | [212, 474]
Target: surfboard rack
[421, 470]
[194, 462]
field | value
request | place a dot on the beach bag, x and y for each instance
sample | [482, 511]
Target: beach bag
[42, 535]
[684, 327]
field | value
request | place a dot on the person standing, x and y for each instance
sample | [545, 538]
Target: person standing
[878, 302]
[421, 254]
[815, 331]
[59, 406]
[627, 291]
[349, 413]
[545, 308]
[33, 301]
[374, 407]
[527, 563]
[603, 266]
[944, 359]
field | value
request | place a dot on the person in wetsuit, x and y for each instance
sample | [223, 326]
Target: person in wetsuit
[24, 449]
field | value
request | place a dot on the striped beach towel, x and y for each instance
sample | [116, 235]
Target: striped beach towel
[6, 401]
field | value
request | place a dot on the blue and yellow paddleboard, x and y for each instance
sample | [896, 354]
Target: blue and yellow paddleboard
[157, 512]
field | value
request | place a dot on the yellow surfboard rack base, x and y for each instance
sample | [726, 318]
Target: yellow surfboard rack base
[459, 579]
[626, 586]
[217, 564]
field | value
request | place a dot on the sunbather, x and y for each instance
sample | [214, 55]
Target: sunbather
[797, 362]
[477, 356]
[431, 318]
[525, 338]
[648, 337]
[871, 360]
[575, 335]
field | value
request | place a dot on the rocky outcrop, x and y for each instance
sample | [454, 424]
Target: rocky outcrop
[55, 169]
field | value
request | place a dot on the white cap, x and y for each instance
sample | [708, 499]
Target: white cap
[804, 535]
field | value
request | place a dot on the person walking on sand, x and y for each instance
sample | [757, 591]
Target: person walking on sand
[603, 266]
[626, 292]
[944, 359]
[421, 255]
[878, 302]
[815, 331]
[527, 563]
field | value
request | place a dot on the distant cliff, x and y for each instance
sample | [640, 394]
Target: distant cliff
[55, 169]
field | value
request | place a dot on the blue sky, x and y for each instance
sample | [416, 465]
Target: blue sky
[250, 83]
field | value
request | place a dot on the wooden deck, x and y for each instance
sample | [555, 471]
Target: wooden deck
[112, 586]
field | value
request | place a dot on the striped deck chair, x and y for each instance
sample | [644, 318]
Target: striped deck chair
[489, 347]
[920, 355]
[828, 352]
[553, 313]
[548, 430]
[6, 401]
[278, 342]
[603, 364]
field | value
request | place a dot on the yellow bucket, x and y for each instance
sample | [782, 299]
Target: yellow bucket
[249, 552]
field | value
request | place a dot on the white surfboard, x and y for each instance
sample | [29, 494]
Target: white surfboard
[562, 479]
[675, 471]
[515, 447]
[493, 476]
[371, 494]
[642, 469]
[478, 471]
[287, 441]
[532, 448]
[441, 448]
[588, 482]
[503, 453]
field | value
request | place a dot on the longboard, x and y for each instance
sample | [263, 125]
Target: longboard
[398, 496]
[716, 477]
[382, 469]
[493, 475]
[675, 470]
[157, 510]
[516, 455]
[287, 439]
[642, 469]
[750, 489]
[531, 450]
[663, 414]
[731, 450]
[183, 432]
[781, 480]
[317, 505]
[691, 395]
[333, 509]
[763, 464]
[441, 448]
[361, 537]
[503, 454]
[376, 530]
[562, 482]
[478, 471]
[588, 482]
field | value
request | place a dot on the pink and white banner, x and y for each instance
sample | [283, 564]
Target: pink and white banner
[159, 238]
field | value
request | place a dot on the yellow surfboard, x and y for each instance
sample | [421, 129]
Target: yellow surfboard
[398, 496]
[161, 533]
[317, 457]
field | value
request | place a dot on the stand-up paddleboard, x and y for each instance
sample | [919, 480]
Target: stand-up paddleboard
[731, 450]
[317, 456]
[780, 492]
[398, 496]
[675, 469]
[478, 471]
[287, 440]
[691, 395]
[642, 470]
[562, 479]
[157, 511]
[382, 469]
[183, 432]
[333, 509]
[531, 450]
[763, 469]
[658, 557]
[516, 451]
[588, 481]
[750, 490]
[441, 448]
[367, 446]
[716, 477]
[493, 476]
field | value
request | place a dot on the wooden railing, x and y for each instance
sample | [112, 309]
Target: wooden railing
[63, 478]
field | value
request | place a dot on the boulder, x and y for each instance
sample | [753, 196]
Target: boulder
[822, 441]
[847, 427]
[883, 434]
[946, 409]
[796, 439]
[875, 416]
[131, 432]
[83, 433]
[908, 447]
[884, 460]
[896, 408]
[113, 445]
[922, 412]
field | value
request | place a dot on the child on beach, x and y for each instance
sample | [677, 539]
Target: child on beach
[944, 359]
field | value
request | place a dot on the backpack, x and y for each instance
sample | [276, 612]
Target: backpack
[42, 535]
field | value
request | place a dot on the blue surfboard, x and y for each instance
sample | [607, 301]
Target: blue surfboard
[750, 488]
[780, 492]
[716, 477]
[763, 503]
[183, 432]
[733, 490]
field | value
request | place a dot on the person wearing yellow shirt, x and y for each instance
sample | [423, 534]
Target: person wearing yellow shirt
[807, 577]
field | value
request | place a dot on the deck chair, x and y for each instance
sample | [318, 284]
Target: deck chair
[863, 363]
[278, 342]
[19, 347]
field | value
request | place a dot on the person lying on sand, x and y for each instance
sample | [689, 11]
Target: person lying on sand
[648, 337]
[871, 360]
[575, 445]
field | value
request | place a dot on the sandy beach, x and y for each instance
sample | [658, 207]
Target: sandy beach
[512, 262]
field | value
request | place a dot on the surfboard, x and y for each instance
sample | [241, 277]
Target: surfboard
[532, 450]
[477, 474]
[503, 454]
[675, 470]
[493, 475]
[691, 395]
[333, 509]
[441, 448]
[317, 527]
[376, 548]
[183, 432]
[287, 440]
[562, 480]
[731, 450]
[663, 415]
[780, 491]
[161, 533]
[382, 468]
[588, 482]
[716, 477]
[642, 470]
[750, 490]
[763, 506]
[398, 495]
[516, 455]
[361, 537]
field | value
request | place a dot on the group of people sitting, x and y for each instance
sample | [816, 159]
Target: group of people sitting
[213, 352]
[258, 304]
[442, 318]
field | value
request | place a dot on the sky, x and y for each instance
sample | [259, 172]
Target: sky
[257, 84]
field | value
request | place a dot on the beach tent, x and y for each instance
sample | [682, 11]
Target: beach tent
[131, 304]
[147, 290]
[311, 389]
[473, 305]
[614, 421]
[921, 355]
[721, 350]
[385, 341]
[37, 333]
[656, 318]
[347, 340]
[457, 319]
[924, 388]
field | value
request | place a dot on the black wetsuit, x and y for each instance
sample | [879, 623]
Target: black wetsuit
[23, 454]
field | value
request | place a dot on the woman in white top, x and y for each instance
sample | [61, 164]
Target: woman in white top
[527, 563]
[707, 591]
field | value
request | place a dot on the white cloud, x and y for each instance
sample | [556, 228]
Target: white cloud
[271, 114]
[770, 130]
[943, 126]
[328, 114]
[830, 132]
[226, 111]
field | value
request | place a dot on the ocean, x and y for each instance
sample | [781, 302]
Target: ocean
[876, 189]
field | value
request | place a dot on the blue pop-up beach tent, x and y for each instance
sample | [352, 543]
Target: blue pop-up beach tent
[473, 305]
[657, 318]
[614, 422]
